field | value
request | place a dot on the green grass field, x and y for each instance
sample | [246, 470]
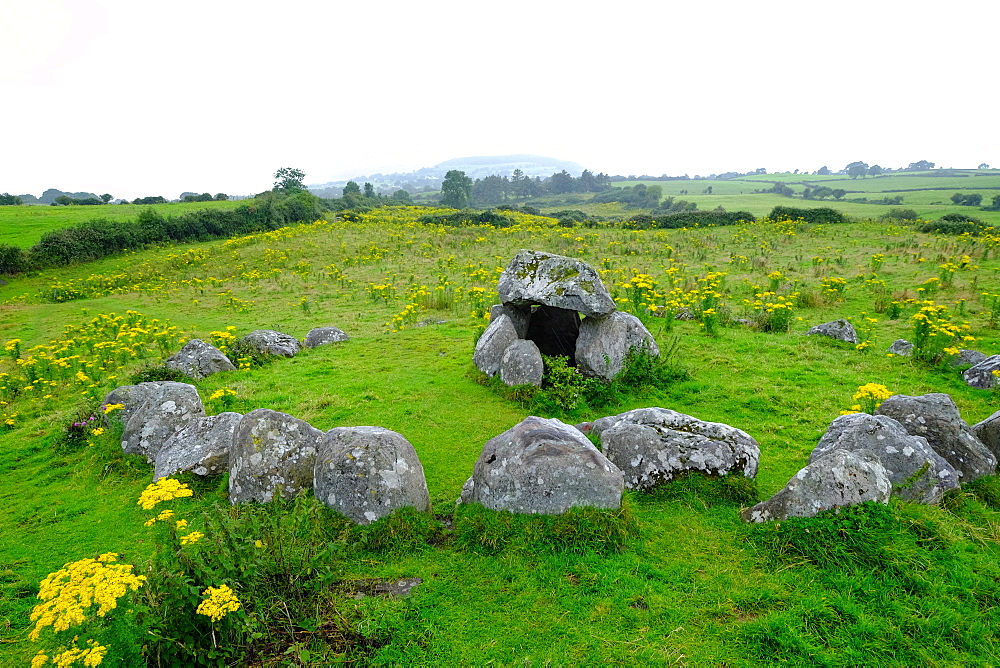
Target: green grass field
[25, 225]
[914, 585]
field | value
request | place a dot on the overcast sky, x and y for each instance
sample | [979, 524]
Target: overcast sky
[139, 98]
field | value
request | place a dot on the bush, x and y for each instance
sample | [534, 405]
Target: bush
[13, 260]
[674, 221]
[954, 223]
[820, 215]
[901, 214]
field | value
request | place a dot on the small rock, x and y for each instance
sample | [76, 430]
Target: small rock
[271, 451]
[272, 343]
[198, 359]
[545, 467]
[839, 478]
[981, 375]
[321, 336]
[836, 329]
[988, 431]
[366, 473]
[901, 347]
[967, 358]
[522, 364]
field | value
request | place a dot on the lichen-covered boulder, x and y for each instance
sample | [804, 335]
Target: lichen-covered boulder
[980, 375]
[522, 364]
[366, 473]
[901, 347]
[967, 358]
[917, 472]
[198, 359]
[201, 446]
[935, 417]
[492, 344]
[272, 343]
[271, 451]
[604, 342]
[652, 445]
[130, 397]
[534, 277]
[839, 478]
[988, 431]
[835, 329]
[321, 336]
[167, 408]
[519, 316]
[543, 467]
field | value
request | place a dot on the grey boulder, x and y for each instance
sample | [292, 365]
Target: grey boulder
[272, 343]
[131, 397]
[835, 329]
[534, 277]
[968, 358]
[917, 472]
[935, 417]
[519, 317]
[652, 445]
[901, 347]
[321, 336]
[988, 431]
[201, 446]
[366, 473]
[544, 467]
[980, 375]
[167, 408]
[605, 341]
[198, 359]
[522, 364]
[493, 344]
[271, 451]
[839, 478]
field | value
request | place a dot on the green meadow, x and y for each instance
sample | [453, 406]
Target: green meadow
[675, 578]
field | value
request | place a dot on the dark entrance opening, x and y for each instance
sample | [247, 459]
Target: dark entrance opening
[554, 331]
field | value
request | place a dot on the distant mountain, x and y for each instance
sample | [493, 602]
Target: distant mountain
[475, 167]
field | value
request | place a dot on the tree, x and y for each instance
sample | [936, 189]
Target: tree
[6, 199]
[838, 193]
[351, 188]
[221, 197]
[920, 165]
[875, 170]
[456, 189]
[402, 196]
[63, 200]
[823, 171]
[561, 183]
[289, 180]
[983, 165]
[856, 169]
[369, 190]
[106, 197]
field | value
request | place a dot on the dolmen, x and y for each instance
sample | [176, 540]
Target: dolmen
[914, 448]
[543, 297]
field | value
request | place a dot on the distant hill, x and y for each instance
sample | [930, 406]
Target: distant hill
[49, 196]
[475, 167]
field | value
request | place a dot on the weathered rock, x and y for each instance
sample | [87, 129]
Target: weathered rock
[652, 445]
[901, 347]
[605, 341]
[967, 358]
[836, 329]
[166, 408]
[544, 467]
[917, 472]
[201, 446]
[198, 359]
[685, 313]
[492, 344]
[935, 417]
[981, 375]
[272, 342]
[988, 431]
[519, 316]
[522, 364]
[534, 277]
[131, 397]
[840, 478]
[321, 336]
[366, 473]
[271, 451]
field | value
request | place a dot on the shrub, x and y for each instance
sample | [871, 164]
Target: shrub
[901, 214]
[823, 215]
[674, 221]
[954, 223]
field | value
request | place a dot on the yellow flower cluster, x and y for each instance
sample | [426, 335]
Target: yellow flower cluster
[219, 602]
[70, 592]
[871, 397]
[92, 655]
[164, 489]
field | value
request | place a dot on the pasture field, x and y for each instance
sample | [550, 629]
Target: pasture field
[25, 225]
[899, 586]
